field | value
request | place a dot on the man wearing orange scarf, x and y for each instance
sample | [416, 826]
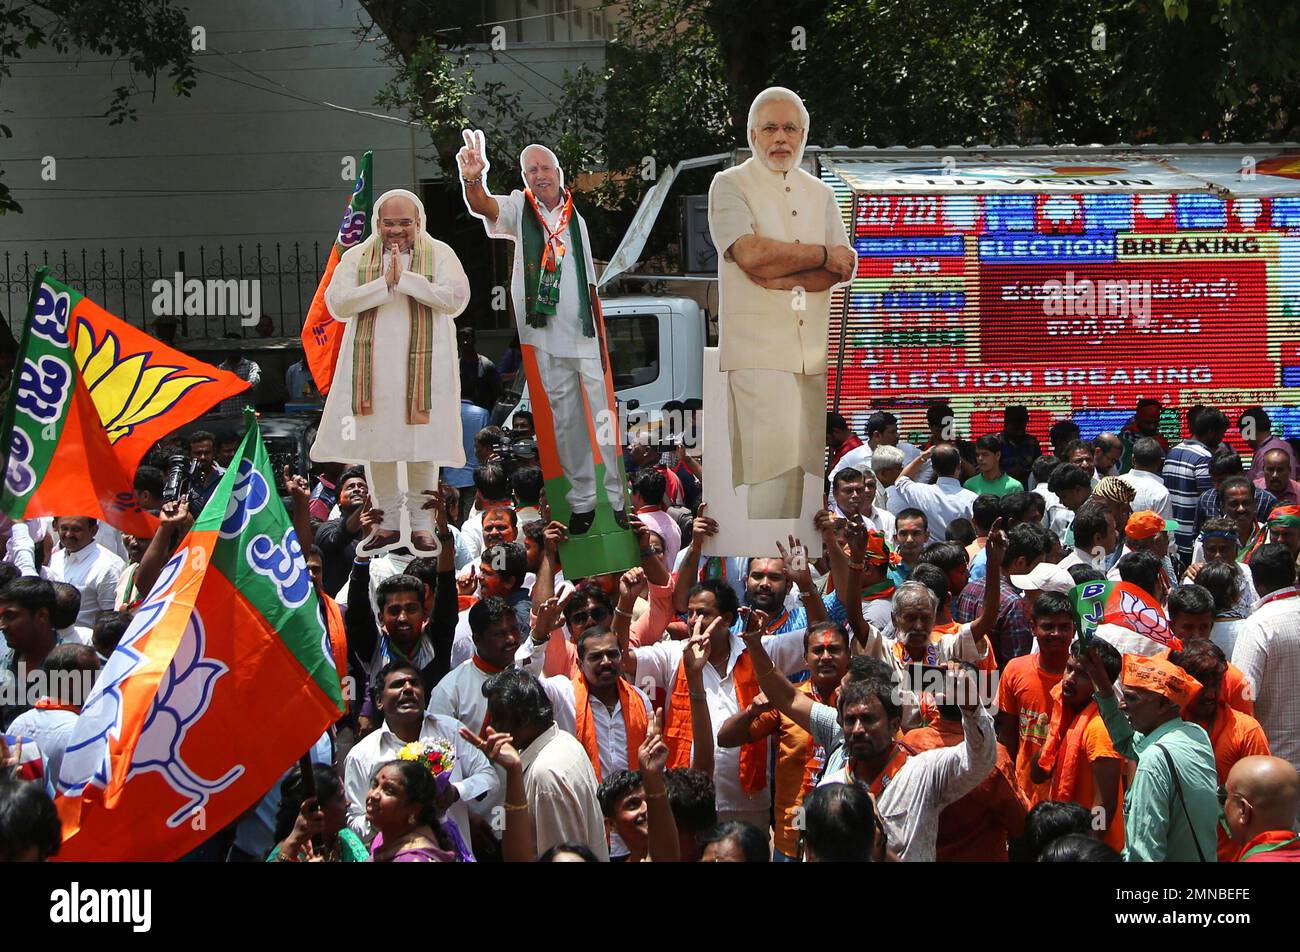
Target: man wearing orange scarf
[607, 714]
[1078, 758]
[1233, 735]
[729, 686]
[799, 759]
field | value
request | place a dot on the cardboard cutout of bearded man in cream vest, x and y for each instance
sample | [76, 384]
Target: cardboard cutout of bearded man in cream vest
[781, 246]
[396, 393]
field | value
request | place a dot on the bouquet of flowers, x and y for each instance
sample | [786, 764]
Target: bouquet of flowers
[438, 756]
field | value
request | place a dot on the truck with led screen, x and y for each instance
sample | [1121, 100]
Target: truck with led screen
[1071, 284]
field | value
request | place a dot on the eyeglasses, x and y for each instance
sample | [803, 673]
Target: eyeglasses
[584, 615]
[772, 128]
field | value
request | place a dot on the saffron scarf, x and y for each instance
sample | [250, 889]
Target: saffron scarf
[815, 762]
[902, 752]
[880, 590]
[544, 253]
[1267, 842]
[679, 736]
[634, 722]
[1064, 744]
[419, 361]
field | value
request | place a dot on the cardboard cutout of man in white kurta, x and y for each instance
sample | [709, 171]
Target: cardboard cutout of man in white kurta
[396, 392]
[782, 247]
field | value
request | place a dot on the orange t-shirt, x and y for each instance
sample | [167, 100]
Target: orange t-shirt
[1097, 746]
[1025, 693]
[799, 762]
[1236, 735]
[974, 829]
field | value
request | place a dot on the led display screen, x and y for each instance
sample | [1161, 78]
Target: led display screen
[1072, 289]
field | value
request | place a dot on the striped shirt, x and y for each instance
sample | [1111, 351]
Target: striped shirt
[1186, 474]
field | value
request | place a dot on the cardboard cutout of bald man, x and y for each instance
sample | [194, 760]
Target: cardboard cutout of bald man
[396, 393]
[782, 247]
[561, 331]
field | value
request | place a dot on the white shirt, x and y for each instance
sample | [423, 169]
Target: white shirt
[560, 789]
[77, 634]
[562, 336]
[21, 549]
[472, 774]
[95, 571]
[911, 803]
[1268, 653]
[52, 730]
[110, 537]
[611, 733]
[943, 502]
[459, 695]
[1150, 492]
[1059, 518]
[656, 667]
[860, 457]
[1078, 556]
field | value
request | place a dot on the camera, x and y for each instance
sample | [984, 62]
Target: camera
[178, 476]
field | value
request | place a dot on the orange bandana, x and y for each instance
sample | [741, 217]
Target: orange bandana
[1161, 676]
[634, 721]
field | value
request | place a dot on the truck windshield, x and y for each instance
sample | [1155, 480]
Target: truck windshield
[633, 349]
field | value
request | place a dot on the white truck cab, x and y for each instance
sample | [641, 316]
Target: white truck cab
[656, 354]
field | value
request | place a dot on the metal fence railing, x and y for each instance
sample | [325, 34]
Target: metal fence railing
[122, 280]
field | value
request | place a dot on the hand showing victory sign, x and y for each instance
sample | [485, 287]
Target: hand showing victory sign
[472, 157]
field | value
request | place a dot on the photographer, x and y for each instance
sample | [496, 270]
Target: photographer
[205, 473]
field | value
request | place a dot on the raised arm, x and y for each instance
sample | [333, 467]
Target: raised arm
[776, 686]
[664, 845]
[174, 523]
[996, 549]
[689, 570]
[798, 570]
[301, 516]
[518, 843]
[913, 469]
[544, 587]
[631, 586]
[694, 658]
[656, 573]
[473, 169]
[1122, 736]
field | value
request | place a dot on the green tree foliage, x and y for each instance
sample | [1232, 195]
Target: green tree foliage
[150, 37]
[680, 75]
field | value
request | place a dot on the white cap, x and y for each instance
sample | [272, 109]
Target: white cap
[1044, 577]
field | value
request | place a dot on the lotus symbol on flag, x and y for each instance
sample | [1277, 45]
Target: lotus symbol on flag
[183, 696]
[131, 391]
[1145, 619]
[88, 758]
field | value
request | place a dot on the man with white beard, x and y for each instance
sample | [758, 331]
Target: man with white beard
[782, 247]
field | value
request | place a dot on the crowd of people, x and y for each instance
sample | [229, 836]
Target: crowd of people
[911, 684]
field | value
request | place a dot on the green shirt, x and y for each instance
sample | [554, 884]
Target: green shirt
[1155, 825]
[1001, 486]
